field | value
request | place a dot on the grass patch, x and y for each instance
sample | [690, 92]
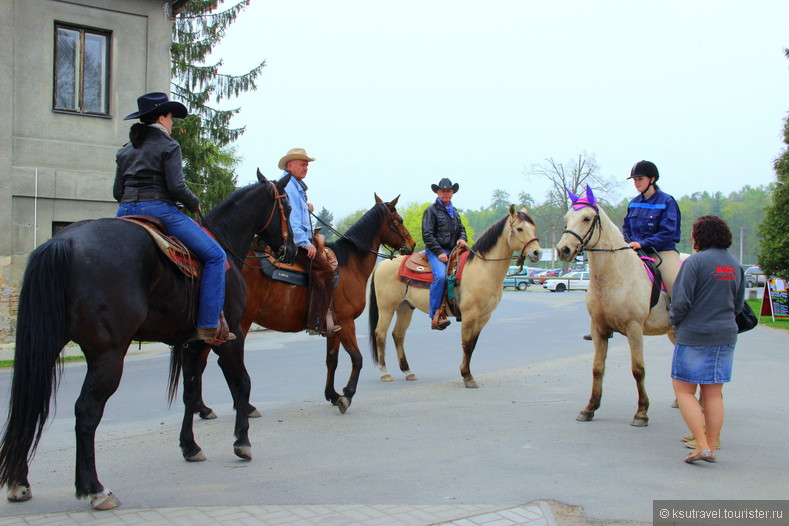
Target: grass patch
[80, 358]
[756, 305]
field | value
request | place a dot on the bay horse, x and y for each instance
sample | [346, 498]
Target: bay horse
[478, 293]
[103, 283]
[283, 307]
[618, 298]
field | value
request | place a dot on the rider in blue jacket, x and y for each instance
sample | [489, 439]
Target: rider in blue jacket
[653, 220]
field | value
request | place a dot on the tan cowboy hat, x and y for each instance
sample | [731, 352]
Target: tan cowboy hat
[294, 153]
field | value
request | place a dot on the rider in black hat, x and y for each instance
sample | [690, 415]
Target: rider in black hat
[442, 230]
[150, 181]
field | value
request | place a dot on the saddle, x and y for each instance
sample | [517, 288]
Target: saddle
[653, 271]
[293, 273]
[415, 272]
[169, 245]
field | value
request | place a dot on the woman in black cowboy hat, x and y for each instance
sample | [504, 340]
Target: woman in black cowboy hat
[149, 180]
[442, 230]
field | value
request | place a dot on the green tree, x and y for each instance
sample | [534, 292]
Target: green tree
[412, 219]
[774, 250]
[348, 221]
[205, 136]
[327, 218]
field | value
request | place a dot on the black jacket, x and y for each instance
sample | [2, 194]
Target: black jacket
[152, 172]
[439, 231]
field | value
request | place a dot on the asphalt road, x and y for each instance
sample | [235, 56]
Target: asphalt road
[514, 440]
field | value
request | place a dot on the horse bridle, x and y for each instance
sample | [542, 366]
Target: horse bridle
[596, 224]
[283, 224]
[392, 224]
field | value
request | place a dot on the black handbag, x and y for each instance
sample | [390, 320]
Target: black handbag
[746, 319]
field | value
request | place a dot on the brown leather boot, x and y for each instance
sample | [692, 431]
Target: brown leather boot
[216, 335]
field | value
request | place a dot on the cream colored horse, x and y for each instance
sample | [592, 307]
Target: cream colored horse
[618, 297]
[478, 294]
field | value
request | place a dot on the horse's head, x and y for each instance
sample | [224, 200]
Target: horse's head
[276, 230]
[523, 235]
[582, 220]
[396, 236]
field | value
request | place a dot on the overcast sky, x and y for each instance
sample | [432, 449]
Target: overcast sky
[390, 97]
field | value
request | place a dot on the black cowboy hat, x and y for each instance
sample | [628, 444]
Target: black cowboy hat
[644, 169]
[157, 103]
[445, 184]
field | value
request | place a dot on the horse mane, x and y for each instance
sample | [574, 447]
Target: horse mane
[360, 235]
[490, 237]
[221, 215]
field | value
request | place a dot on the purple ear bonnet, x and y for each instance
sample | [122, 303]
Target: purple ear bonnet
[579, 202]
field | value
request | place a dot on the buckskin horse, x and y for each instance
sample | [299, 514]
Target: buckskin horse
[103, 283]
[283, 306]
[618, 298]
[478, 293]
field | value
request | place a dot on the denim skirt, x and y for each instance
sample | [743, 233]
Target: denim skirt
[702, 365]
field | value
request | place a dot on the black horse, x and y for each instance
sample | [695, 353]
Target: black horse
[103, 283]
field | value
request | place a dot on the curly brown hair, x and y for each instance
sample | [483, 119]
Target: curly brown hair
[710, 232]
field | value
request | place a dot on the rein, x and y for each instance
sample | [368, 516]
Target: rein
[392, 225]
[520, 259]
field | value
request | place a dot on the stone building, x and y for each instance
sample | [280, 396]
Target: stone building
[72, 69]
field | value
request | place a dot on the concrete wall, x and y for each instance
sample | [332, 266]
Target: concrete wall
[57, 167]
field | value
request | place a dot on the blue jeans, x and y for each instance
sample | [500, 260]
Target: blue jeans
[439, 269]
[212, 282]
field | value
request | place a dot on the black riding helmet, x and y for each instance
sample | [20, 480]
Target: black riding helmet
[645, 169]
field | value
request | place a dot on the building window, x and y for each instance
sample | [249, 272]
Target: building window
[82, 70]
[57, 226]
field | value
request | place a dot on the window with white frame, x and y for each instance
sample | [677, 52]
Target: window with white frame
[82, 70]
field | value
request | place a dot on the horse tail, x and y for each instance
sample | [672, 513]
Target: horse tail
[372, 319]
[176, 357]
[41, 334]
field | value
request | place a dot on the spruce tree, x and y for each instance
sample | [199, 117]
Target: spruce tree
[206, 135]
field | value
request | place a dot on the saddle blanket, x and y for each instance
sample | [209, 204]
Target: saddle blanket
[415, 270]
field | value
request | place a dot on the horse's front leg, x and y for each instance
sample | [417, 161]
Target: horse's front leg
[636, 340]
[600, 341]
[349, 343]
[101, 381]
[472, 326]
[193, 359]
[231, 360]
[404, 314]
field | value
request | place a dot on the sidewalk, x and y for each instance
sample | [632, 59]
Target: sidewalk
[534, 514]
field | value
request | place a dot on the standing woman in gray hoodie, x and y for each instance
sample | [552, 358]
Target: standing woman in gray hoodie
[707, 295]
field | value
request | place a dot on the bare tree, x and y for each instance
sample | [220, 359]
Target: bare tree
[575, 175]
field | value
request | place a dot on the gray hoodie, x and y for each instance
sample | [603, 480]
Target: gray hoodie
[707, 295]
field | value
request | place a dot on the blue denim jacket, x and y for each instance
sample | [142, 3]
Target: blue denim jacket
[653, 222]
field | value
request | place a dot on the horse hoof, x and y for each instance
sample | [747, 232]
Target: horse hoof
[208, 416]
[244, 452]
[106, 500]
[386, 378]
[19, 493]
[639, 422]
[585, 416]
[255, 414]
[471, 384]
[343, 403]
[198, 457]
[411, 377]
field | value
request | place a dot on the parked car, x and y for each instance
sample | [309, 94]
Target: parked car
[754, 277]
[540, 277]
[519, 281]
[575, 280]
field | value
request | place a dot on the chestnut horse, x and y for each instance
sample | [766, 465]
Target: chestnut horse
[283, 307]
[102, 284]
[618, 298]
[478, 294]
